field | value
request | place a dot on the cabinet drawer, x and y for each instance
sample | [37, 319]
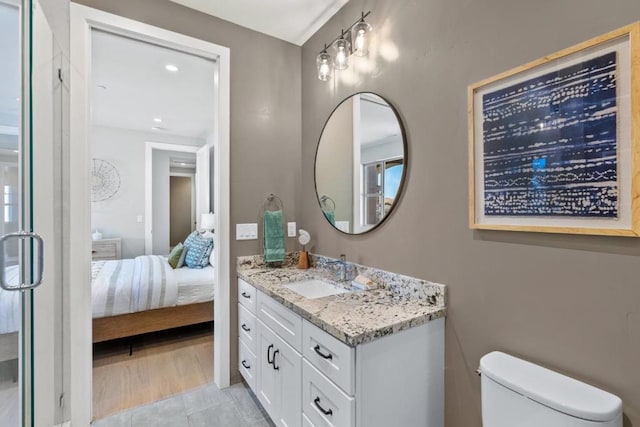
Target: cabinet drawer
[104, 251]
[247, 295]
[330, 356]
[247, 365]
[306, 422]
[284, 322]
[247, 328]
[324, 404]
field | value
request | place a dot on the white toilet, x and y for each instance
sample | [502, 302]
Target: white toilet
[517, 393]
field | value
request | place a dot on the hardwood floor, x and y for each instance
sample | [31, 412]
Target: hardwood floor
[163, 364]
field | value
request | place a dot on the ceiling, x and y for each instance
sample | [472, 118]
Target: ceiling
[131, 87]
[294, 21]
[378, 121]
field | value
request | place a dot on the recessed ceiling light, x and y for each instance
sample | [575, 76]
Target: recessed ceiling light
[157, 120]
[16, 151]
[172, 68]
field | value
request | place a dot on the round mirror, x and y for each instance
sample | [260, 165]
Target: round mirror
[360, 163]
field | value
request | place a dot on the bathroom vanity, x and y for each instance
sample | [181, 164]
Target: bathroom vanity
[317, 353]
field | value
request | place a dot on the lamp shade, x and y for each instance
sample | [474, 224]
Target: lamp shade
[208, 221]
[324, 63]
[361, 38]
[342, 47]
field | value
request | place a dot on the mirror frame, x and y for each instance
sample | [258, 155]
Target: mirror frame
[403, 179]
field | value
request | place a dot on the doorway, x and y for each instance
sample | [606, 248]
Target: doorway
[182, 207]
[84, 20]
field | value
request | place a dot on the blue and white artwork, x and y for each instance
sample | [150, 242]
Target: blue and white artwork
[550, 144]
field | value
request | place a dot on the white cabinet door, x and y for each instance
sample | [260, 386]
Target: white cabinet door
[288, 363]
[279, 380]
[267, 387]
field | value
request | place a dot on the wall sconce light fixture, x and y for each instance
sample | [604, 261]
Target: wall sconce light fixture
[353, 41]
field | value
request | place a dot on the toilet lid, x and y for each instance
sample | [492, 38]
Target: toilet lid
[550, 388]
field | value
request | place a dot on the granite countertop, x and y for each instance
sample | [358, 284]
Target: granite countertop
[356, 317]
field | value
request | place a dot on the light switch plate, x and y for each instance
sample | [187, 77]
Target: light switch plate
[246, 231]
[139, 218]
[291, 229]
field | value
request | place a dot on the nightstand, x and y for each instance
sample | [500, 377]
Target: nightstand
[106, 249]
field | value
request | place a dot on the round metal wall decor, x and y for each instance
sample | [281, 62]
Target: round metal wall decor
[105, 180]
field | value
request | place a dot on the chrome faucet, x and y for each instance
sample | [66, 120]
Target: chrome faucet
[343, 266]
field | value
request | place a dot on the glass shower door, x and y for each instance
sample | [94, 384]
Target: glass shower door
[21, 251]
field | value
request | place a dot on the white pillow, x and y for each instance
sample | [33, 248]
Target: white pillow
[212, 257]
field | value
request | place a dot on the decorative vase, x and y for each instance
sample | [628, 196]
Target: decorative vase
[303, 260]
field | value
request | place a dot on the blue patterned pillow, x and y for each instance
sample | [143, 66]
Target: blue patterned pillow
[191, 238]
[198, 252]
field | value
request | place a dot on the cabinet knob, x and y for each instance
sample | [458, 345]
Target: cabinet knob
[269, 360]
[321, 354]
[324, 411]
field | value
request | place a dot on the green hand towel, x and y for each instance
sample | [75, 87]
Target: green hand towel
[331, 217]
[273, 239]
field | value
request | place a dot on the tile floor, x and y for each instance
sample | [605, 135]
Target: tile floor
[205, 406]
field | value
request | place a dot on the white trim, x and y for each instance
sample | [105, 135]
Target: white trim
[46, 310]
[82, 20]
[148, 185]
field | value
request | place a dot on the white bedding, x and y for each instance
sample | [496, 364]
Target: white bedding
[10, 303]
[146, 283]
[126, 286]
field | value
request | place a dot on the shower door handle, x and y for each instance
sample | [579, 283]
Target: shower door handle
[22, 237]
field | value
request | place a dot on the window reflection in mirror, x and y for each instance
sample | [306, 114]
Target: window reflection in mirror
[360, 163]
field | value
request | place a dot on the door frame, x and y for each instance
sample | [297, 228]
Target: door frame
[83, 19]
[148, 184]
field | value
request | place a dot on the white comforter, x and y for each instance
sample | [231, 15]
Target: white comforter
[132, 285]
[10, 303]
[126, 286]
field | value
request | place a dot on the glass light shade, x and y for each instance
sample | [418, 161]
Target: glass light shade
[208, 221]
[360, 37]
[325, 66]
[342, 53]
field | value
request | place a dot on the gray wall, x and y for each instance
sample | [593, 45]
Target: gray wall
[116, 217]
[335, 158]
[571, 303]
[265, 115]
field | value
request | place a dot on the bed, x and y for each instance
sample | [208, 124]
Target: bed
[9, 320]
[136, 296]
[129, 297]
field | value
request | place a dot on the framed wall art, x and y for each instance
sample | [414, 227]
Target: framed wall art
[554, 144]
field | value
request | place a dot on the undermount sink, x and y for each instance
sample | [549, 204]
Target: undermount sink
[314, 288]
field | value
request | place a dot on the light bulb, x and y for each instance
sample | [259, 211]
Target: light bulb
[361, 44]
[324, 63]
[342, 54]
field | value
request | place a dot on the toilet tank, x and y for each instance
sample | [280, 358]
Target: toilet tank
[517, 393]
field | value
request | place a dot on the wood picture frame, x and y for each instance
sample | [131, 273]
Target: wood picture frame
[554, 145]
